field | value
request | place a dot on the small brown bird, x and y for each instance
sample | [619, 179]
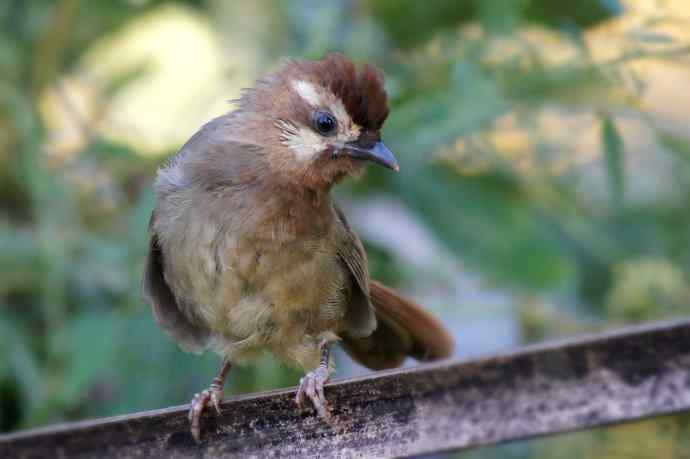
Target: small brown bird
[249, 253]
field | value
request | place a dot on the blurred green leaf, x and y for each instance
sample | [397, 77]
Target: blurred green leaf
[489, 224]
[583, 14]
[613, 151]
[91, 353]
[18, 362]
[675, 144]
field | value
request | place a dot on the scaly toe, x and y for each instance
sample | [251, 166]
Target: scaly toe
[199, 403]
[216, 398]
[311, 387]
[196, 409]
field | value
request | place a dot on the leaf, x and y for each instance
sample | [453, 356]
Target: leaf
[677, 145]
[91, 353]
[487, 222]
[613, 151]
[18, 360]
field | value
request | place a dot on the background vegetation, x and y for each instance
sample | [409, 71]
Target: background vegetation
[545, 177]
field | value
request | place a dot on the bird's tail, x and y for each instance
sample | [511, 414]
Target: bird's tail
[404, 329]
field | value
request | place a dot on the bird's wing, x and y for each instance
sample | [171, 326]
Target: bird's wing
[360, 320]
[166, 311]
[401, 327]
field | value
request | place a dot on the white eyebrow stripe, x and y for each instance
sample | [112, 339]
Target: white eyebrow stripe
[307, 91]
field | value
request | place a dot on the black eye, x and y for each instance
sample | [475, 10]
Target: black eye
[325, 123]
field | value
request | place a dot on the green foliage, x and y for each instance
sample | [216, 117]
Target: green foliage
[613, 149]
[410, 23]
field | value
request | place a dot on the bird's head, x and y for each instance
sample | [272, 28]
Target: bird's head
[320, 120]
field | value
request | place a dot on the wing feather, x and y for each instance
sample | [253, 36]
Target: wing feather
[360, 320]
[156, 291]
[384, 327]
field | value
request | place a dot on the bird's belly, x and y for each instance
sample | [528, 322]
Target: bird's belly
[285, 299]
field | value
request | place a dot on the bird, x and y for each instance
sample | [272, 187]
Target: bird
[249, 252]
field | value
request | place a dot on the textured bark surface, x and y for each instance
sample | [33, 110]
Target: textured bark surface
[556, 387]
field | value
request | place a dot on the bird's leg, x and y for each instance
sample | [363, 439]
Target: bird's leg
[214, 395]
[311, 385]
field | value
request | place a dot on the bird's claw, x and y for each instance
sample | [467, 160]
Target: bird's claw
[200, 402]
[311, 387]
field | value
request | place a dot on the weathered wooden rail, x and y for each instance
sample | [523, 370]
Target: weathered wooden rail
[546, 389]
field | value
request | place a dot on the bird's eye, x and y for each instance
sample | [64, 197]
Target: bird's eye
[325, 123]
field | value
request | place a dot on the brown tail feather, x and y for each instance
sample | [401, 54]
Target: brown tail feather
[404, 328]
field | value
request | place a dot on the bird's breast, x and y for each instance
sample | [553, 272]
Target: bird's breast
[280, 296]
[299, 275]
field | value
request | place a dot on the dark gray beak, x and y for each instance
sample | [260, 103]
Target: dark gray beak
[377, 153]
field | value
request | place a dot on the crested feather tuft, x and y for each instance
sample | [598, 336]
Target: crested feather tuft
[361, 90]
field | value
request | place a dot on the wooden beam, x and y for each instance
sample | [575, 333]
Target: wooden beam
[546, 389]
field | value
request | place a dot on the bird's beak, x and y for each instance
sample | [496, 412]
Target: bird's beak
[377, 153]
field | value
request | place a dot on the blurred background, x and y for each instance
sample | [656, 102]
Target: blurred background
[545, 155]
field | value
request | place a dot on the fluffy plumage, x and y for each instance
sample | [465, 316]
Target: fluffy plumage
[248, 252]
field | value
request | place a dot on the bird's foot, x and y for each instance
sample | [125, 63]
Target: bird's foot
[311, 387]
[213, 395]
